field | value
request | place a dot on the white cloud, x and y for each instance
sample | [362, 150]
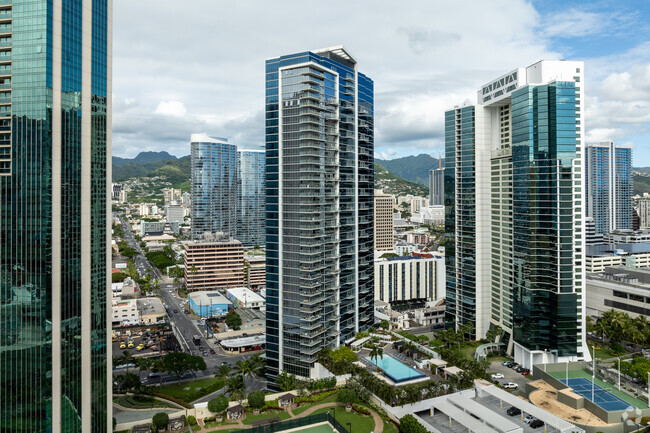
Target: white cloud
[171, 108]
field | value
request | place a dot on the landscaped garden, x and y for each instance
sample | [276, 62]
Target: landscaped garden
[190, 391]
[141, 402]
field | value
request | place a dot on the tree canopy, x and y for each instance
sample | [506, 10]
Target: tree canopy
[180, 363]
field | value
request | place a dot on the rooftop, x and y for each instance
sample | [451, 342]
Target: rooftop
[209, 297]
[605, 250]
[150, 306]
[245, 294]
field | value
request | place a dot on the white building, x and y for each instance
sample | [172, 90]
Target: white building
[619, 288]
[175, 213]
[243, 297]
[125, 312]
[429, 215]
[402, 248]
[404, 278]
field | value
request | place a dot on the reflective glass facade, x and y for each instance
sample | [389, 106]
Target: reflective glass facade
[319, 206]
[54, 249]
[544, 146]
[608, 183]
[213, 180]
[250, 197]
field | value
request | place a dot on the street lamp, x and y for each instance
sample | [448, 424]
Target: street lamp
[350, 427]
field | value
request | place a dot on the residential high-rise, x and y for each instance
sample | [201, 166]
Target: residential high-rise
[608, 186]
[514, 212]
[319, 206]
[55, 186]
[250, 197]
[213, 185]
[437, 185]
[383, 221]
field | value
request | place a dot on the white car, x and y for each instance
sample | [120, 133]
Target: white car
[509, 385]
[528, 419]
[496, 376]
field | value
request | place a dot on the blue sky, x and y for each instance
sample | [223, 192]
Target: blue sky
[198, 67]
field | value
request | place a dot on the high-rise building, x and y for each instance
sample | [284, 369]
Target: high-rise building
[383, 221]
[214, 185]
[512, 172]
[608, 186]
[171, 194]
[644, 213]
[215, 261]
[319, 206]
[55, 239]
[412, 277]
[250, 197]
[437, 185]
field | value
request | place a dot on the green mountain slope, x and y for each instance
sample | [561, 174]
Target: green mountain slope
[411, 168]
[176, 171]
[393, 184]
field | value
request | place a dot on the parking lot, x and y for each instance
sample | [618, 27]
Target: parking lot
[509, 374]
[144, 341]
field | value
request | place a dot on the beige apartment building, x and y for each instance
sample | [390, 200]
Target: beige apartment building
[384, 237]
[256, 271]
[214, 262]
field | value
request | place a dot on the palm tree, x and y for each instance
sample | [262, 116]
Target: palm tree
[158, 366]
[257, 364]
[143, 364]
[236, 386]
[124, 359]
[376, 352]
[244, 368]
[285, 381]
[223, 371]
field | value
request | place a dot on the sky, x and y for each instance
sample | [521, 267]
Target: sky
[197, 66]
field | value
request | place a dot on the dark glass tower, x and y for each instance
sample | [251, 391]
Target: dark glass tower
[319, 206]
[250, 197]
[55, 105]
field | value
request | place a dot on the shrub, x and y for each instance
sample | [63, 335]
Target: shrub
[645, 420]
[191, 420]
[360, 409]
[174, 399]
[161, 419]
[256, 399]
[210, 419]
[347, 396]
[218, 404]
[409, 424]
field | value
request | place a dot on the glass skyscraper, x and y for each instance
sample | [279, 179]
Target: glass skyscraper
[319, 206]
[55, 116]
[608, 186]
[514, 212]
[250, 197]
[213, 179]
[437, 185]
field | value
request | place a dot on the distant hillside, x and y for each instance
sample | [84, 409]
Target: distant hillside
[641, 182]
[176, 171]
[412, 168]
[392, 184]
[144, 158]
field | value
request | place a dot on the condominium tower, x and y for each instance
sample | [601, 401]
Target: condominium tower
[514, 212]
[437, 185]
[55, 159]
[608, 186]
[250, 197]
[383, 221]
[319, 206]
[214, 185]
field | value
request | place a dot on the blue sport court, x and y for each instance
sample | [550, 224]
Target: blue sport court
[602, 397]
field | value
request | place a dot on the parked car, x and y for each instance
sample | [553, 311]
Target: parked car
[506, 363]
[537, 423]
[153, 375]
[512, 411]
[175, 311]
[526, 371]
[519, 369]
[514, 365]
[123, 345]
[130, 345]
[140, 347]
[528, 419]
[509, 385]
[496, 376]
[212, 352]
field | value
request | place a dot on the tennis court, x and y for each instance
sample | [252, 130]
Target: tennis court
[321, 428]
[601, 396]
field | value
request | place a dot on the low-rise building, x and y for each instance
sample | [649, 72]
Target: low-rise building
[397, 319]
[126, 289]
[619, 288]
[631, 255]
[208, 303]
[402, 248]
[157, 228]
[175, 213]
[430, 315]
[151, 310]
[242, 297]
[124, 312]
[429, 215]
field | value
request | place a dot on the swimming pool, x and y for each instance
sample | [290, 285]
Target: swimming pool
[395, 370]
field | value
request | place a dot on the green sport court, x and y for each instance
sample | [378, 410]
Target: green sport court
[610, 388]
[321, 428]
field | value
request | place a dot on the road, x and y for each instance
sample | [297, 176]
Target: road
[184, 325]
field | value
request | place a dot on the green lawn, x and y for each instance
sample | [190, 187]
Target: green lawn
[304, 406]
[389, 427]
[197, 389]
[250, 416]
[468, 349]
[360, 423]
[211, 424]
[140, 402]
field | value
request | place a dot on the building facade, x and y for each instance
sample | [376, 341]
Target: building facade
[214, 262]
[319, 206]
[255, 272]
[405, 278]
[644, 213]
[608, 186]
[170, 195]
[383, 221]
[437, 185]
[619, 288]
[512, 171]
[250, 197]
[213, 179]
[55, 192]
